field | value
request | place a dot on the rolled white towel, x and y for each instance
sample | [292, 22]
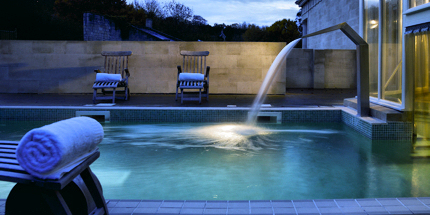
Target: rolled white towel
[51, 151]
[191, 77]
[108, 77]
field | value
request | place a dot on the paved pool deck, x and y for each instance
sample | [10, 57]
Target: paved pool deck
[267, 207]
[293, 98]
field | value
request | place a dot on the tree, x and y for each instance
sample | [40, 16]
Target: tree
[254, 34]
[135, 15]
[178, 11]
[35, 20]
[74, 9]
[198, 20]
[152, 8]
[284, 30]
[299, 21]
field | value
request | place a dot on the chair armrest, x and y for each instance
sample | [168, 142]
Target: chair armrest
[127, 73]
[97, 71]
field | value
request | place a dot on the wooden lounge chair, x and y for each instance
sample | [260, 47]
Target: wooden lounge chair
[193, 75]
[77, 192]
[115, 75]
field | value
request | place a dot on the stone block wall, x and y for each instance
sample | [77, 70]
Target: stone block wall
[321, 14]
[322, 69]
[236, 67]
[100, 28]
[67, 66]
[335, 69]
[300, 71]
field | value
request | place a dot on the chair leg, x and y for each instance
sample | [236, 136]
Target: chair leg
[200, 96]
[113, 95]
[182, 96]
[95, 96]
[95, 189]
[176, 97]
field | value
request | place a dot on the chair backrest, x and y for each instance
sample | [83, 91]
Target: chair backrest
[194, 62]
[116, 62]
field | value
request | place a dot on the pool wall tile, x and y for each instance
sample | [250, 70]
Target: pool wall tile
[192, 211]
[238, 204]
[216, 204]
[149, 204]
[378, 130]
[282, 204]
[325, 203]
[145, 211]
[374, 131]
[127, 204]
[330, 211]
[195, 204]
[215, 211]
[237, 211]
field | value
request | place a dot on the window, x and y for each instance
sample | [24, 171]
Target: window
[417, 59]
[391, 74]
[371, 35]
[414, 3]
[383, 32]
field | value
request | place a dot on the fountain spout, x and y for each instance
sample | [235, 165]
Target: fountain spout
[363, 106]
[270, 76]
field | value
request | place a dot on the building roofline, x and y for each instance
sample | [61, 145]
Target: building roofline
[301, 2]
[157, 34]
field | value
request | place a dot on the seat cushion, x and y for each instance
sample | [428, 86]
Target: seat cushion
[191, 77]
[105, 77]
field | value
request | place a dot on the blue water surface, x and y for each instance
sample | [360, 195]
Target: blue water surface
[197, 161]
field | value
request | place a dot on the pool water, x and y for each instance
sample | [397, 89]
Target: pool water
[198, 161]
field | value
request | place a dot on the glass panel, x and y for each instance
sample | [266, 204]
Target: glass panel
[371, 13]
[391, 75]
[422, 79]
[414, 3]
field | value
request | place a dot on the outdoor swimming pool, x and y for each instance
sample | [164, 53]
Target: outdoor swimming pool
[197, 161]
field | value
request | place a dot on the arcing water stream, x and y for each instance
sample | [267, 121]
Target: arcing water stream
[268, 80]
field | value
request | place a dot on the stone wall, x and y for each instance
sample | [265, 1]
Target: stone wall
[236, 67]
[322, 69]
[67, 66]
[320, 14]
[100, 28]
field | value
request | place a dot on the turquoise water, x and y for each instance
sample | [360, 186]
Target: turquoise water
[231, 162]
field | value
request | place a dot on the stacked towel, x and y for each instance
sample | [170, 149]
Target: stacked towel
[51, 151]
[106, 77]
[191, 77]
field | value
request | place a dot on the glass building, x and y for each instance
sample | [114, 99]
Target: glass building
[398, 34]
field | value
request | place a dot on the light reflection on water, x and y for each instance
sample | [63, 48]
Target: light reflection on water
[236, 162]
[224, 136]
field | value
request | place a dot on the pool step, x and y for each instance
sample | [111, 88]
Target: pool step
[421, 153]
[422, 145]
[383, 113]
[421, 149]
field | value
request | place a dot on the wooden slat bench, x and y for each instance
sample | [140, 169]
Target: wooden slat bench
[77, 192]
